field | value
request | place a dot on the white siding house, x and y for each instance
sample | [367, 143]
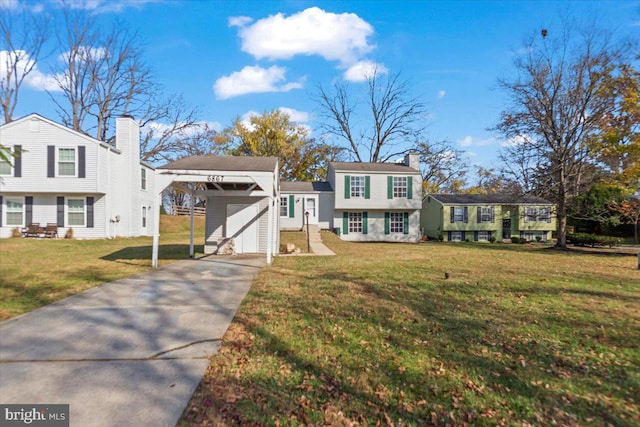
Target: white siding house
[299, 198]
[377, 201]
[63, 177]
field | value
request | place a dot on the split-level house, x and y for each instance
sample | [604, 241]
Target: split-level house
[302, 201]
[59, 176]
[377, 201]
[486, 217]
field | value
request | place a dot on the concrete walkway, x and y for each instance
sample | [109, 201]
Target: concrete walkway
[129, 352]
[315, 242]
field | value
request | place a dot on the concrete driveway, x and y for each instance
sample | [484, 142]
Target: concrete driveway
[130, 352]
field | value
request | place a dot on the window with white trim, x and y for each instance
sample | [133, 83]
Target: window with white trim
[530, 214]
[485, 215]
[75, 212]
[456, 236]
[399, 186]
[483, 236]
[533, 236]
[357, 187]
[143, 178]
[396, 222]
[5, 166]
[66, 161]
[284, 206]
[355, 222]
[544, 215]
[15, 211]
[458, 214]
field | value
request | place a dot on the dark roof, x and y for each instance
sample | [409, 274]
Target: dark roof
[304, 187]
[488, 199]
[373, 167]
[224, 163]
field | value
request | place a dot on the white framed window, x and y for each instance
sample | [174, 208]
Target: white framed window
[143, 178]
[144, 217]
[15, 211]
[396, 222]
[5, 166]
[458, 214]
[399, 186]
[530, 214]
[284, 206]
[533, 236]
[485, 214]
[75, 212]
[66, 161]
[544, 215]
[355, 222]
[456, 236]
[483, 236]
[357, 187]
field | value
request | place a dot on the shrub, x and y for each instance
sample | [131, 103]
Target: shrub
[492, 239]
[69, 233]
[586, 239]
[16, 232]
[538, 239]
[515, 240]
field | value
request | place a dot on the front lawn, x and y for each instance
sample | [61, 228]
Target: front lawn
[517, 335]
[37, 272]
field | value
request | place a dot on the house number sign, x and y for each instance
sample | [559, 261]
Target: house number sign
[215, 178]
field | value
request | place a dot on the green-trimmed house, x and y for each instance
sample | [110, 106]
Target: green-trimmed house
[486, 217]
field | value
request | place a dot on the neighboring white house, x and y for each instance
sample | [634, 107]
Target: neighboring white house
[299, 198]
[60, 176]
[377, 201]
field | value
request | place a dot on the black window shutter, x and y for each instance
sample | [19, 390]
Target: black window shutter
[479, 215]
[51, 161]
[82, 154]
[405, 223]
[493, 215]
[28, 210]
[60, 211]
[453, 213]
[475, 236]
[464, 236]
[17, 162]
[466, 216]
[90, 212]
[0, 211]
[448, 236]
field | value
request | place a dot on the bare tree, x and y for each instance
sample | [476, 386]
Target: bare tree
[555, 109]
[103, 75]
[396, 117]
[442, 165]
[23, 36]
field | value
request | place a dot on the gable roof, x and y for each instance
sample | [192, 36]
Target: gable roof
[488, 199]
[305, 187]
[372, 167]
[224, 163]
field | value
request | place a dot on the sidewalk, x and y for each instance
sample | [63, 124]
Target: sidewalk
[129, 352]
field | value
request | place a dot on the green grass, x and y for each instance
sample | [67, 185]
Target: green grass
[36, 272]
[298, 238]
[518, 335]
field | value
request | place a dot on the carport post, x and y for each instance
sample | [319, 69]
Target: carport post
[270, 231]
[191, 226]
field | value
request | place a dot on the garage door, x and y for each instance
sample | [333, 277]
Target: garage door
[242, 226]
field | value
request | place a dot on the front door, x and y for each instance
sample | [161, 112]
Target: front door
[311, 206]
[506, 228]
[242, 226]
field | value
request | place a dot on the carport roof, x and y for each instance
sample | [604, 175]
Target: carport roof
[224, 163]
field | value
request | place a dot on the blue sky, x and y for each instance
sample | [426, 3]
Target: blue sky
[232, 58]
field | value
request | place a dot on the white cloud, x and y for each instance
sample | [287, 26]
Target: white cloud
[295, 115]
[335, 37]
[95, 53]
[36, 79]
[514, 141]
[105, 6]
[239, 21]
[441, 94]
[467, 141]
[253, 80]
[361, 71]
[8, 4]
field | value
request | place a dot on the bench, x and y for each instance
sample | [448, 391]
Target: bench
[33, 230]
[51, 230]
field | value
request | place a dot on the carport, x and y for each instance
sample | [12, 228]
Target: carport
[241, 201]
